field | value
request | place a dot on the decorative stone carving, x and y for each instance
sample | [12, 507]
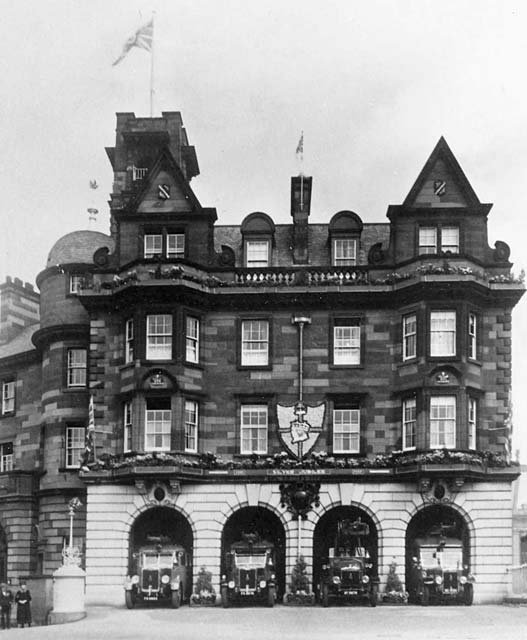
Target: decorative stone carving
[440, 491]
[299, 497]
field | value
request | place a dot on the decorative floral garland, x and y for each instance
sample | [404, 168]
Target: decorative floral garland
[317, 460]
[178, 272]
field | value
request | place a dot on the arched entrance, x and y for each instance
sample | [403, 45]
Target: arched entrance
[264, 523]
[325, 536]
[3, 556]
[162, 526]
[435, 529]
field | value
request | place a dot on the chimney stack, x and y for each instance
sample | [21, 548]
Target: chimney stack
[300, 209]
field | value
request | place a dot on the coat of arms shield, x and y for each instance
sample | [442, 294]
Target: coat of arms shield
[299, 426]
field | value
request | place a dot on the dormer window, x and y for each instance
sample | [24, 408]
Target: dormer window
[345, 229]
[153, 245]
[344, 251]
[258, 239]
[257, 253]
[438, 239]
[162, 242]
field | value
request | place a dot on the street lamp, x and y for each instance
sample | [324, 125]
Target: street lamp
[71, 553]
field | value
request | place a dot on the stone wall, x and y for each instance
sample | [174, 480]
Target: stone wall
[112, 509]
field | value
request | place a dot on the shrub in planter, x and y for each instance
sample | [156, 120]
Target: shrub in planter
[393, 592]
[299, 592]
[203, 590]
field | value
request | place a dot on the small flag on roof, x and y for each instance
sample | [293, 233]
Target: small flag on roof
[300, 145]
[142, 39]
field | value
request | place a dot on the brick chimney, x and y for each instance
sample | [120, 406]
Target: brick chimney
[300, 208]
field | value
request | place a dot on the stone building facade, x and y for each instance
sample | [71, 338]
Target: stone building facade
[264, 377]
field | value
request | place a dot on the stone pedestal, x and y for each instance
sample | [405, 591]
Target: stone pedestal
[68, 595]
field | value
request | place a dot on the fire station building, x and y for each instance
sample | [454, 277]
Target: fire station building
[258, 377]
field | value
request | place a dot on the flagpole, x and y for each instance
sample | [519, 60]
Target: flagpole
[152, 70]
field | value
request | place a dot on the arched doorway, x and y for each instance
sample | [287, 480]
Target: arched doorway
[264, 523]
[162, 526]
[3, 556]
[325, 535]
[436, 528]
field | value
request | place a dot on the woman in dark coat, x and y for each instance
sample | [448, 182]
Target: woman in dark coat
[23, 609]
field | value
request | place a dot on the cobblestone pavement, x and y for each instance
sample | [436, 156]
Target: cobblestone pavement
[291, 623]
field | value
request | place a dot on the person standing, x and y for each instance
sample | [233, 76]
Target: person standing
[23, 608]
[6, 599]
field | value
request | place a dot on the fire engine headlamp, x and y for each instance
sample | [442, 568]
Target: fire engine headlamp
[224, 577]
[273, 576]
[262, 584]
[365, 579]
[463, 580]
[231, 584]
[438, 580]
[336, 580]
[135, 579]
[165, 579]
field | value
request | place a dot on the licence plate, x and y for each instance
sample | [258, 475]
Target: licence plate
[350, 593]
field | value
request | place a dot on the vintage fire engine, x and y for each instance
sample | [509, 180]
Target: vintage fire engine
[160, 573]
[249, 572]
[438, 571]
[349, 571]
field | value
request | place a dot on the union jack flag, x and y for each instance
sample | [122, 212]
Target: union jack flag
[142, 39]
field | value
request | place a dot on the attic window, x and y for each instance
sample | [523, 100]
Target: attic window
[345, 229]
[258, 239]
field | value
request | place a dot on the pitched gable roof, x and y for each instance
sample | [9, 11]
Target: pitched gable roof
[442, 182]
[165, 170]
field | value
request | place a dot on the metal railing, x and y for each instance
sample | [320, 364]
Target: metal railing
[138, 173]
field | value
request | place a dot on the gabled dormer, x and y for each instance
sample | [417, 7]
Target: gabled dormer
[441, 217]
[155, 215]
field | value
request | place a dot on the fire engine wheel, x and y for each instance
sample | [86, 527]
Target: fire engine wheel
[225, 598]
[176, 598]
[325, 595]
[425, 596]
[468, 595]
[271, 596]
[129, 599]
[373, 596]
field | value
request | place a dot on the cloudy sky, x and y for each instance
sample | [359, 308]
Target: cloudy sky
[372, 83]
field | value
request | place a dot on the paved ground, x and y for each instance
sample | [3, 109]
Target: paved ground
[288, 623]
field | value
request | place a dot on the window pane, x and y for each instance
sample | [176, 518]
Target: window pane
[472, 413]
[153, 245]
[409, 336]
[443, 421]
[257, 252]
[255, 342]
[409, 423]
[129, 339]
[450, 239]
[128, 426]
[159, 337]
[344, 251]
[192, 340]
[443, 333]
[175, 245]
[75, 283]
[158, 426]
[346, 344]
[346, 430]
[76, 367]
[253, 429]
[472, 344]
[191, 425]
[75, 444]
[427, 240]
[6, 456]
[8, 397]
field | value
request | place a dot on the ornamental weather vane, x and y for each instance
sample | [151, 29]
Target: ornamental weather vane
[300, 425]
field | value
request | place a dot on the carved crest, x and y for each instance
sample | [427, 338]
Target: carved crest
[299, 426]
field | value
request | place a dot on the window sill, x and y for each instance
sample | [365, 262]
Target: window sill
[346, 366]
[252, 367]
